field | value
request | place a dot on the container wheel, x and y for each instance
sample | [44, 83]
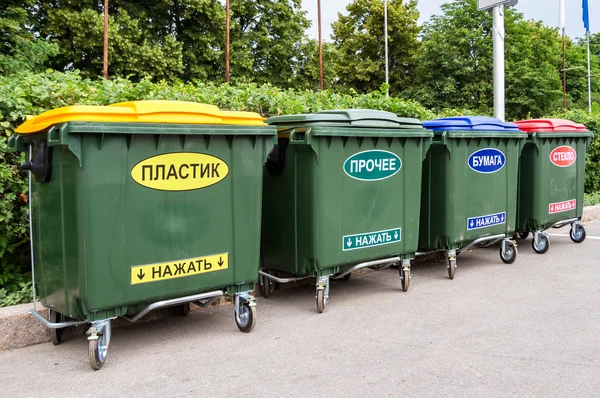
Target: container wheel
[510, 255]
[404, 278]
[184, 309]
[321, 300]
[97, 352]
[451, 266]
[56, 335]
[267, 286]
[523, 235]
[577, 233]
[246, 319]
[543, 246]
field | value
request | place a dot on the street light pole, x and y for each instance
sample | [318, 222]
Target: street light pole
[498, 32]
[387, 70]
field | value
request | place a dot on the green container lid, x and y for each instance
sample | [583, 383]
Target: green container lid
[361, 118]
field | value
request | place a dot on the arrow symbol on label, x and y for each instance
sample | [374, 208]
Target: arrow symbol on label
[220, 262]
[396, 235]
[502, 217]
[472, 223]
[140, 275]
[349, 242]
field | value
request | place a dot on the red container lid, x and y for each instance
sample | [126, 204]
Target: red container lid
[550, 125]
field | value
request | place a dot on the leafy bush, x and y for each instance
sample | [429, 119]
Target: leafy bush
[592, 164]
[591, 199]
[31, 94]
[25, 94]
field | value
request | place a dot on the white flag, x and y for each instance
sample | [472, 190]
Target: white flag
[561, 16]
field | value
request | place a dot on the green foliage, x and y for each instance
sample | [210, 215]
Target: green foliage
[267, 38]
[591, 199]
[360, 45]
[19, 49]
[14, 248]
[78, 28]
[24, 94]
[454, 66]
[21, 294]
[592, 164]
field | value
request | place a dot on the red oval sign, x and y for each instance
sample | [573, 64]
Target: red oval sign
[563, 156]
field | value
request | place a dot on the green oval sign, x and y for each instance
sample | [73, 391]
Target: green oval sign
[373, 165]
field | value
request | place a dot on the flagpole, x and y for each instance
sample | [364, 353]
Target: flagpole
[589, 74]
[586, 24]
[564, 71]
[561, 23]
[321, 83]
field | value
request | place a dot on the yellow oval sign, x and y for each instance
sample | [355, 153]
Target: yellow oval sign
[180, 171]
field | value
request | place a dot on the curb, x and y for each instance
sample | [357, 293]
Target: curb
[19, 329]
[591, 213]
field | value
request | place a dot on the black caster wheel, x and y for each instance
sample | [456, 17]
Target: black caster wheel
[404, 278]
[509, 255]
[577, 233]
[542, 246]
[321, 301]
[267, 286]
[56, 335]
[184, 309]
[97, 351]
[246, 320]
[451, 266]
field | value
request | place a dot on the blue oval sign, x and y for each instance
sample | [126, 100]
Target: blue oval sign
[372, 165]
[488, 160]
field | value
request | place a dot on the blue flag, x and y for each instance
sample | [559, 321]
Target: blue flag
[586, 15]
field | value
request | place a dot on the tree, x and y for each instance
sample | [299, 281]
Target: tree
[198, 26]
[454, 67]
[20, 50]
[267, 37]
[78, 27]
[359, 37]
[307, 66]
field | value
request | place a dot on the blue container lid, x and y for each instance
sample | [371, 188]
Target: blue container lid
[469, 123]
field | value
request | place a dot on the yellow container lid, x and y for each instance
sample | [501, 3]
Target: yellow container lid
[168, 112]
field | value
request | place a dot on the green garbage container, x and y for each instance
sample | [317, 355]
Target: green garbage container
[341, 192]
[552, 176]
[143, 205]
[470, 186]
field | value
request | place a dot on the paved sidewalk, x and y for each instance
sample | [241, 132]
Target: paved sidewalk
[526, 329]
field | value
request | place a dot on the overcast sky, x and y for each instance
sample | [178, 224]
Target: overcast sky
[544, 10]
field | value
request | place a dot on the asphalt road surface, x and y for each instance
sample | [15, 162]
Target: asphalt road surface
[529, 329]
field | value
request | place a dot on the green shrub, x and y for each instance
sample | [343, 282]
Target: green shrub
[592, 164]
[591, 199]
[31, 94]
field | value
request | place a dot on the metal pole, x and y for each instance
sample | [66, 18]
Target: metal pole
[105, 66]
[227, 16]
[320, 46]
[387, 68]
[589, 74]
[29, 199]
[561, 25]
[498, 33]
[564, 71]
